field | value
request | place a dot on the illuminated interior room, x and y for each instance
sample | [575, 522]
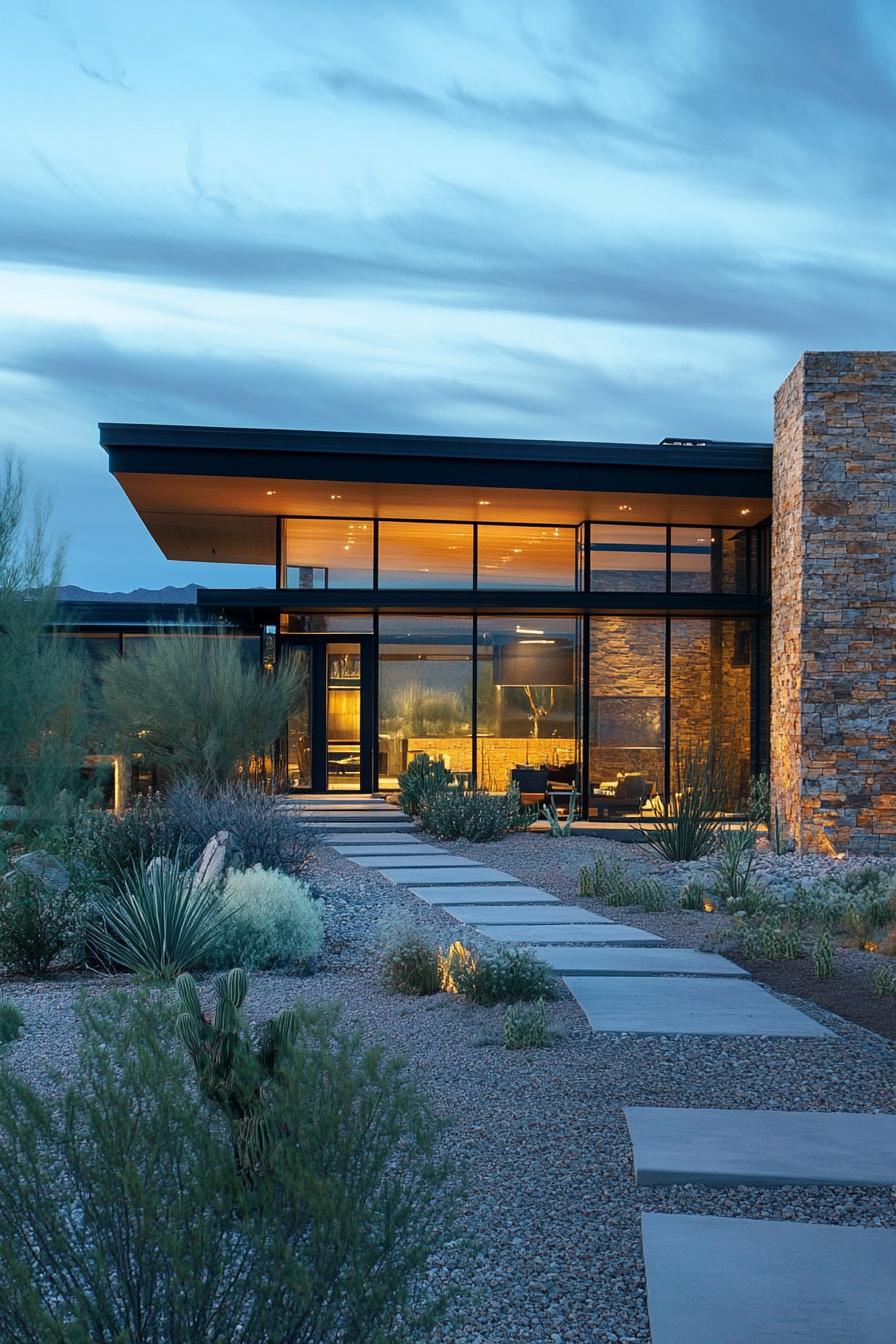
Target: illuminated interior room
[578, 613]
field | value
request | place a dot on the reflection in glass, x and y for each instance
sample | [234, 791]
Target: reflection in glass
[710, 559]
[628, 558]
[425, 693]
[526, 557]
[425, 555]
[525, 698]
[327, 553]
[627, 723]
[343, 717]
[710, 692]
[298, 726]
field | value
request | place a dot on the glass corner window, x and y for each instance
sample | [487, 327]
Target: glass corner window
[327, 553]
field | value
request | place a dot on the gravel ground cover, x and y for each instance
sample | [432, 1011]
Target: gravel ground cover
[550, 1206]
[557, 863]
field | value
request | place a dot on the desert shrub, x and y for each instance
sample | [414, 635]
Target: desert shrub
[735, 858]
[412, 963]
[524, 1026]
[470, 814]
[769, 936]
[505, 975]
[857, 902]
[268, 833]
[193, 706]
[883, 980]
[606, 880]
[44, 723]
[123, 1215]
[11, 1022]
[151, 920]
[685, 829]
[38, 923]
[823, 956]
[759, 802]
[268, 919]
[422, 778]
[694, 895]
[101, 845]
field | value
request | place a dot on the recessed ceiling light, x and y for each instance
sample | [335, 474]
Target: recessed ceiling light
[335, 496]
[270, 492]
[625, 508]
[744, 512]
[485, 501]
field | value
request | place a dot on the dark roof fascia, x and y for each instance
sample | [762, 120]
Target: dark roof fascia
[263, 603]
[112, 616]
[713, 468]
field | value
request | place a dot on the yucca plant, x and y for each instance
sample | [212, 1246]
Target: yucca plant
[685, 828]
[154, 920]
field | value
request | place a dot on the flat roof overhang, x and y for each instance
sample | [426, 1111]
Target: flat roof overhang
[262, 605]
[214, 494]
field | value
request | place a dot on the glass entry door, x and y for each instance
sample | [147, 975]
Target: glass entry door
[329, 739]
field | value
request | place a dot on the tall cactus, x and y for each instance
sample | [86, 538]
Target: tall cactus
[231, 1071]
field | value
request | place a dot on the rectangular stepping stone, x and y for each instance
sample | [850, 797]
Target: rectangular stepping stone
[653, 1005]
[482, 896]
[363, 825]
[570, 915]
[599, 935]
[635, 960]
[445, 874]
[674, 1146]
[415, 858]
[401, 848]
[366, 838]
[755, 1281]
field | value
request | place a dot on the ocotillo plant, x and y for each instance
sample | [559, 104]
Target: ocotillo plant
[231, 1071]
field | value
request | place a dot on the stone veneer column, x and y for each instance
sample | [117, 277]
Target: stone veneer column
[833, 640]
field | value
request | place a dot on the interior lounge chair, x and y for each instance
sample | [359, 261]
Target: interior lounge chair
[532, 782]
[629, 794]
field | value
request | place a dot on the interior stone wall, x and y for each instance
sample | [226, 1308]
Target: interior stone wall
[833, 631]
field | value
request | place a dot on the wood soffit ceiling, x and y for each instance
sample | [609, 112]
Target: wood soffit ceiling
[233, 518]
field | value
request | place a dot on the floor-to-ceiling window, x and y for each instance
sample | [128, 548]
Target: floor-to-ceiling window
[710, 693]
[626, 713]
[425, 693]
[525, 695]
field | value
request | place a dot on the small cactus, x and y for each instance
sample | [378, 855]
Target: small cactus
[230, 1070]
[823, 957]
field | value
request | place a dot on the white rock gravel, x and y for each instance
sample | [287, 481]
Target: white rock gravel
[540, 1135]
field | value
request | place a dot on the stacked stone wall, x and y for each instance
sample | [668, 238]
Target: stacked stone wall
[833, 638]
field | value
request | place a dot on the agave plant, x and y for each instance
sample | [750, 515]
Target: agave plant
[155, 920]
[685, 829]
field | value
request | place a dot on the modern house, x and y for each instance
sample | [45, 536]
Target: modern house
[502, 603]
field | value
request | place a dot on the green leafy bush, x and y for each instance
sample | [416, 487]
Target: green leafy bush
[883, 980]
[606, 881]
[11, 1022]
[267, 919]
[505, 975]
[153, 921]
[267, 833]
[470, 814]
[412, 963]
[123, 1215]
[423, 778]
[102, 844]
[38, 924]
[524, 1026]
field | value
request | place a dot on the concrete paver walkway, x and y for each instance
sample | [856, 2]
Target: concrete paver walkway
[636, 960]
[751, 1281]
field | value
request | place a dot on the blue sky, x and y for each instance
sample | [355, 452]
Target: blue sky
[608, 219]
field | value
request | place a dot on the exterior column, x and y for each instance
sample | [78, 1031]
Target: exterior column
[833, 627]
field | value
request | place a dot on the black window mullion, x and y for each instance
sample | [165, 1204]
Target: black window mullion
[376, 553]
[668, 558]
[475, 557]
[474, 710]
[667, 761]
[585, 712]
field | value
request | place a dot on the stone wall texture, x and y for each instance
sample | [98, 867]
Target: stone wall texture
[833, 634]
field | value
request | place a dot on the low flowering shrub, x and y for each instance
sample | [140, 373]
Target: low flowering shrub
[471, 814]
[39, 923]
[505, 975]
[265, 919]
[266, 832]
[524, 1026]
[413, 964]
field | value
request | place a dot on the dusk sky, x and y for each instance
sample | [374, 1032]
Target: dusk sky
[605, 219]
